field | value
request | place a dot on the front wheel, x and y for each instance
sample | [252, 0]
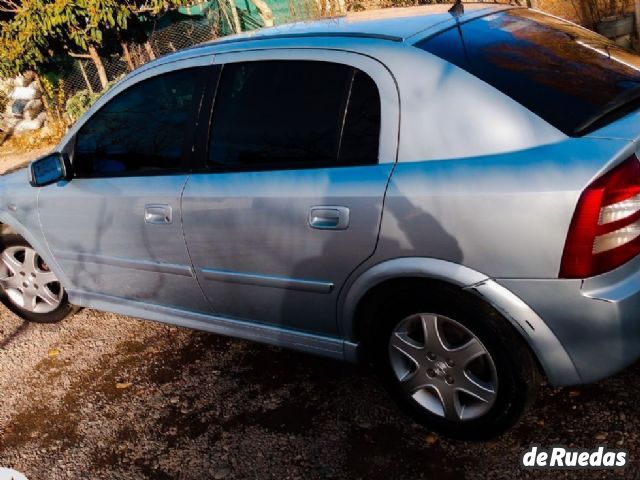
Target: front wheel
[27, 286]
[454, 364]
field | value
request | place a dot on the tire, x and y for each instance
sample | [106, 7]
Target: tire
[485, 392]
[26, 281]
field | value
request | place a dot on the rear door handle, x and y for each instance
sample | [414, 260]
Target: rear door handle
[158, 214]
[329, 217]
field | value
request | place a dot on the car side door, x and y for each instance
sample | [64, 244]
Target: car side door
[295, 165]
[115, 228]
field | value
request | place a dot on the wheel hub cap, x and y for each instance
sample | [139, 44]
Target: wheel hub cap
[27, 280]
[441, 369]
[443, 366]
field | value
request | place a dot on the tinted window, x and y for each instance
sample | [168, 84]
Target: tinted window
[143, 129]
[360, 137]
[562, 72]
[292, 114]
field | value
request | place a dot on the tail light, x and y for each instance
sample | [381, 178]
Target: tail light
[605, 230]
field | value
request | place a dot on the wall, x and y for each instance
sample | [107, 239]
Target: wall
[579, 11]
[562, 8]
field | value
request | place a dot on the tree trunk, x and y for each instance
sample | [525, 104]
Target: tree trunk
[149, 49]
[102, 73]
[637, 5]
[264, 11]
[84, 75]
[137, 54]
[235, 19]
[45, 100]
[127, 56]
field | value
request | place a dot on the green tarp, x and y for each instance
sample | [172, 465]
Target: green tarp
[283, 10]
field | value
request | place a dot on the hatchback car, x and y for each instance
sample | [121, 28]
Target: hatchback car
[451, 197]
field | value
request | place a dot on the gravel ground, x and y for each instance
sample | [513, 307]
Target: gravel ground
[105, 396]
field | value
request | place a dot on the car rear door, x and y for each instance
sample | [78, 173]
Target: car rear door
[115, 228]
[289, 199]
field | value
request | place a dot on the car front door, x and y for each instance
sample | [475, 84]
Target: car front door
[289, 199]
[115, 228]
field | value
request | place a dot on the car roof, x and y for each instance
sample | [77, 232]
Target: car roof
[398, 24]
[405, 24]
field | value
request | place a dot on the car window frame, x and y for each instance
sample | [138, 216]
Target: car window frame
[343, 57]
[204, 72]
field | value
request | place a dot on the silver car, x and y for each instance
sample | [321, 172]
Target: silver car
[452, 197]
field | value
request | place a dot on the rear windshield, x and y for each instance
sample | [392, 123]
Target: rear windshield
[566, 74]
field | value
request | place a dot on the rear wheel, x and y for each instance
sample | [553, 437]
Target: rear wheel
[443, 366]
[453, 363]
[27, 285]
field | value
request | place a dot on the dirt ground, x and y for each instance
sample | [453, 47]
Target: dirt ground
[101, 396]
[11, 159]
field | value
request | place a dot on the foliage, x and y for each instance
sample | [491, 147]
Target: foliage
[4, 100]
[53, 97]
[56, 68]
[34, 30]
[81, 101]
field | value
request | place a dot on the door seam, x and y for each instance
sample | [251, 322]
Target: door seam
[186, 245]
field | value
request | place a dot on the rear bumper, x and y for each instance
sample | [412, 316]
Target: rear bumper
[595, 321]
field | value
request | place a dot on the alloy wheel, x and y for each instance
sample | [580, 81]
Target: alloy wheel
[443, 366]
[28, 281]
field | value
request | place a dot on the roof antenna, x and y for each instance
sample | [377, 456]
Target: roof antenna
[457, 9]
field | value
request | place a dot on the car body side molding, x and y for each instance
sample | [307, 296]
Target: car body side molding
[330, 347]
[159, 267]
[267, 280]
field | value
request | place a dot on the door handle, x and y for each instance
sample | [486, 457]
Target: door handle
[329, 218]
[158, 214]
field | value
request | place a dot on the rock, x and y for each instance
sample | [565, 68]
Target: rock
[29, 125]
[24, 93]
[32, 109]
[220, 474]
[431, 439]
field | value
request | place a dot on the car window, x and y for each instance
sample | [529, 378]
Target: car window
[294, 114]
[142, 130]
[558, 70]
[361, 132]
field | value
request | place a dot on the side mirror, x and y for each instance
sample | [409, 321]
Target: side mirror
[49, 169]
